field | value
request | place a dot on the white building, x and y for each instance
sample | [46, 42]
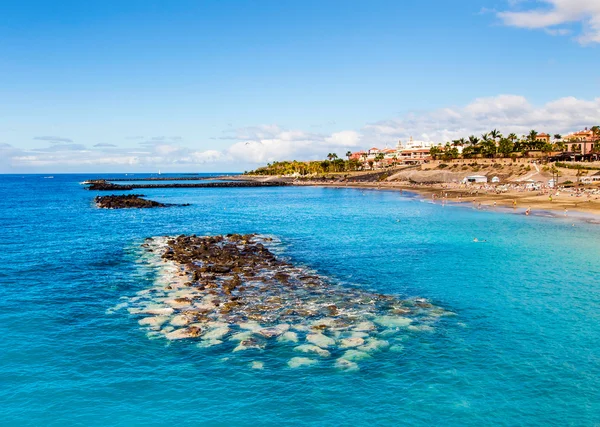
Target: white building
[476, 179]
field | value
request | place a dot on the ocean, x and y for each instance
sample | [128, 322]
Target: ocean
[521, 346]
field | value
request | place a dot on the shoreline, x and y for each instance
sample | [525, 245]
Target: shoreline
[539, 204]
[581, 207]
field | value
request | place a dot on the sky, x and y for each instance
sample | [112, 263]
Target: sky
[226, 86]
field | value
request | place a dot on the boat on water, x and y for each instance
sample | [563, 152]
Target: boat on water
[48, 177]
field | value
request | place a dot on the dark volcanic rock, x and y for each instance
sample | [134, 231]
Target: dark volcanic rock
[126, 201]
[103, 185]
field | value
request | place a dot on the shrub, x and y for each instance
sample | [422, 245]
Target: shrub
[442, 166]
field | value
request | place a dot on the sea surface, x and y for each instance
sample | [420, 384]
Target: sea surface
[523, 347]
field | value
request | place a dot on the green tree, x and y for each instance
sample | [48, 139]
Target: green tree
[532, 139]
[488, 147]
[435, 152]
[505, 147]
[495, 134]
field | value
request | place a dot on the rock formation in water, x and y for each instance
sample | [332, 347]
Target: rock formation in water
[127, 201]
[231, 292]
[103, 185]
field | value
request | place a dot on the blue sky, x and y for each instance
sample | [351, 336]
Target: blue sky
[225, 85]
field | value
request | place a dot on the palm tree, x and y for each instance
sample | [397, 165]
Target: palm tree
[473, 140]
[595, 135]
[364, 157]
[495, 134]
[513, 137]
[532, 138]
[348, 154]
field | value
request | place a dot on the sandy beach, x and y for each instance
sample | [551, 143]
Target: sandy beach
[557, 201]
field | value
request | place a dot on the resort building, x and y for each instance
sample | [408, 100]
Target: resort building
[476, 179]
[578, 146]
[410, 152]
[543, 137]
[580, 142]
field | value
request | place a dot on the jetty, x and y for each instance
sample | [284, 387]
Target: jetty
[104, 185]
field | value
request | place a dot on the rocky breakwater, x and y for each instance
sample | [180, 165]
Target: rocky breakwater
[102, 185]
[234, 295]
[127, 201]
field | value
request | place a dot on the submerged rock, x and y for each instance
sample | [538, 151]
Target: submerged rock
[257, 365]
[297, 362]
[320, 340]
[288, 337]
[155, 321]
[393, 321]
[233, 292]
[351, 342]
[355, 355]
[308, 348]
[346, 365]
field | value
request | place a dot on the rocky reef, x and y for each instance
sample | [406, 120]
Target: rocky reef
[234, 294]
[127, 201]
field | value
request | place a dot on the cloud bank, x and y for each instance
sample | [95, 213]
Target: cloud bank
[256, 145]
[555, 17]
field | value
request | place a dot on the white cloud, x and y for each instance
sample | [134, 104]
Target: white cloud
[559, 13]
[257, 145]
[347, 138]
[278, 144]
[507, 113]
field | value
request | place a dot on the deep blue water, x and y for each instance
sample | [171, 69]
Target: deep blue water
[523, 348]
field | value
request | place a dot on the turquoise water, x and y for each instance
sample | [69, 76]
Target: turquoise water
[523, 348]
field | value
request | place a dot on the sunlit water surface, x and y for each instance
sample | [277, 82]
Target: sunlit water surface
[523, 348]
